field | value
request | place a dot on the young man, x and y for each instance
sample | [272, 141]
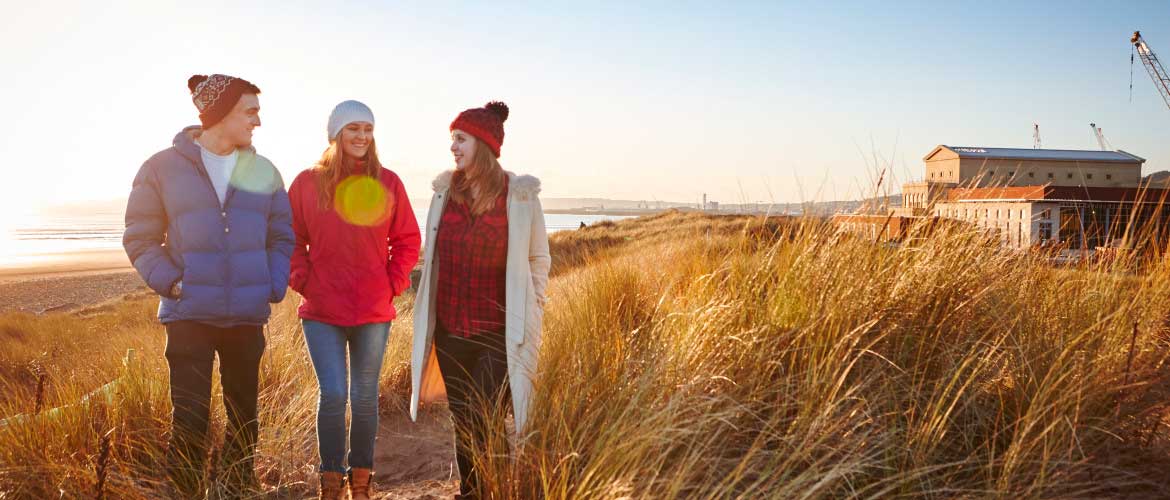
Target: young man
[208, 227]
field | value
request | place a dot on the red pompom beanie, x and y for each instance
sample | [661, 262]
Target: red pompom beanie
[215, 96]
[486, 124]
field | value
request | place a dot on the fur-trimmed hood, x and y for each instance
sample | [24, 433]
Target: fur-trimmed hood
[524, 185]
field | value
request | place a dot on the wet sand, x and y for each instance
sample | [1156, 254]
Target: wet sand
[63, 282]
[31, 267]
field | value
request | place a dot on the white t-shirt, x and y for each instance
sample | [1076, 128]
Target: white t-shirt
[220, 169]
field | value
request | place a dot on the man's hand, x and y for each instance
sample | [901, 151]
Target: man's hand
[177, 289]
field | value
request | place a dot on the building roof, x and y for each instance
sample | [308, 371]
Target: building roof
[1060, 193]
[1118, 156]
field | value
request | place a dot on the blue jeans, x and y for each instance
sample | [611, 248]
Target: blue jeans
[327, 348]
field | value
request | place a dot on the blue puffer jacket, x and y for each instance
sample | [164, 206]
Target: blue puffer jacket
[233, 259]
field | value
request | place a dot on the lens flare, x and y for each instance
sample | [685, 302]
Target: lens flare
[362, 201]
[254, 173]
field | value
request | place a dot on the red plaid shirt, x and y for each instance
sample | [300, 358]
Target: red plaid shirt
[473, 261]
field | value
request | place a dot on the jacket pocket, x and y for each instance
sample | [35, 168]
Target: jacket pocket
[298, 280]
[307, 283]
[533, 317]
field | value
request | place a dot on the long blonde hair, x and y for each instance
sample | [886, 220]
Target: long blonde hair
[480, 183]
[331, 170]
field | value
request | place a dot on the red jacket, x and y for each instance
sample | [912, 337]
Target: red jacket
[349, 274]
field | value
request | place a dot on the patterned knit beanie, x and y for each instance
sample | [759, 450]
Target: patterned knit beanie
[215, 96]
[486, 124]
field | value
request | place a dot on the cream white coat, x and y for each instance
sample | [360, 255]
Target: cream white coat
[527, 276]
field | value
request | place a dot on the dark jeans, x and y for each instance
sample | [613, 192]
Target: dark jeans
[191, 350]
[475, 371]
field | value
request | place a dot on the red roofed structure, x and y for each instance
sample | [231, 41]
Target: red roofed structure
[1080, 200]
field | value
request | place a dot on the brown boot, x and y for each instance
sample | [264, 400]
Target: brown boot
[332, 485]
[359, 483]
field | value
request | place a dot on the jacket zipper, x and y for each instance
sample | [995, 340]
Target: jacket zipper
[225, 266]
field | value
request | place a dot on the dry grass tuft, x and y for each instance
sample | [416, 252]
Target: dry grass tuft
[696, 356]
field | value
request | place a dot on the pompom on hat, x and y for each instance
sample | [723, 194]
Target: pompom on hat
[346, 113]
[486, 124]
[215, 95]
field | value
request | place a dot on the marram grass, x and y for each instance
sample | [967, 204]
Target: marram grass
[692, 356]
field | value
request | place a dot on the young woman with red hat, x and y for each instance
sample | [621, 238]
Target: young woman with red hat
[480, 301]
[356, 242]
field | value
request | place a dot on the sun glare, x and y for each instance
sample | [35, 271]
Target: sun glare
[362, 201]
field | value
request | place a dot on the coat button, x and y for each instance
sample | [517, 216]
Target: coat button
[227, 230]
[223, 214]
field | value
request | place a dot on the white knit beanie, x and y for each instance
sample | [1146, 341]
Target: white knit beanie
[346, 113]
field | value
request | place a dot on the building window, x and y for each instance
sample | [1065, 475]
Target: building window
[1021, 214]
[1045, 232]
[1049, 175]
[1090, 176]
[1032, 175]
[1070, 175]
[1108, 177]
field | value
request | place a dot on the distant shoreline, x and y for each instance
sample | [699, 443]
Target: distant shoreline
[613, 212]
[639, 212]
[71, 263]
[95, 262]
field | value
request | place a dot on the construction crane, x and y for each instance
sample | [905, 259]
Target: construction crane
[1036, 136]
[1100, 137]
[1157, 72]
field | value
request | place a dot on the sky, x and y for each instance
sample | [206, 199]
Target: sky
[744, 101]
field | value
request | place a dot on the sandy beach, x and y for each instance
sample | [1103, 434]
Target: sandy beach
[63, 282]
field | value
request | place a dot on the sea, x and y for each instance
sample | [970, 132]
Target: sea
[29, 237]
